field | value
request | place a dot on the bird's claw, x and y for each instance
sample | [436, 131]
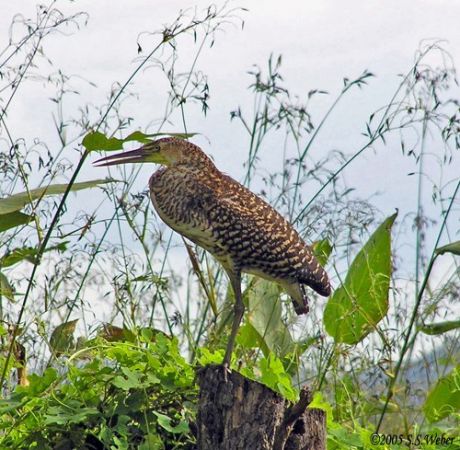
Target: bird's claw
[227, 371]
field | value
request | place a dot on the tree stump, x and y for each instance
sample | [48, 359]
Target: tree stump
[241, 414]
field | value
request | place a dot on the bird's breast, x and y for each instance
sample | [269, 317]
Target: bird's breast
[183, 202]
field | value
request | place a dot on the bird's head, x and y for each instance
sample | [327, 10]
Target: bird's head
[168, 151]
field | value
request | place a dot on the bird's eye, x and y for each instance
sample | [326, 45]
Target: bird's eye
[154, 148]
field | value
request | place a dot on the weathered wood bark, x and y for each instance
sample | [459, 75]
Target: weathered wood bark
[241, 414]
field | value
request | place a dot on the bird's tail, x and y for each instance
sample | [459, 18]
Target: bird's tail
[301, 307]
[298, 296]
[317, 279]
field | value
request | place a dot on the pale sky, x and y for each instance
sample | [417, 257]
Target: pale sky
[321, 42]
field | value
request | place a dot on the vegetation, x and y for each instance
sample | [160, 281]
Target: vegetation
[71, 379]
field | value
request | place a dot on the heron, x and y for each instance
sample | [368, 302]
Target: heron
[241, 230]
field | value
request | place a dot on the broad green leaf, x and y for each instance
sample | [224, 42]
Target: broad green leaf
[130, 380]
[147, 334]
[28, 254]
[275, 377]
[165, 422]
[16, 202]
[440, 327]
[62, 337]
[64, 415]
[248, 337]
[13, 219]
[444, 399]
[361, 301]
[320, 403]
[7, 406]
[38, 383]
[206, 356]
[6, 289]
[264, 314]
[453, 247]
[97, 141]
[17, 255]
[322, 250]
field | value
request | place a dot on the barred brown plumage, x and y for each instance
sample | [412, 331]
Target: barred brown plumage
[241, 230]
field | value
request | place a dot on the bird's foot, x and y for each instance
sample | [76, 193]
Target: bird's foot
[227, 371]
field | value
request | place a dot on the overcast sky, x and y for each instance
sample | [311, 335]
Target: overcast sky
[321, 42]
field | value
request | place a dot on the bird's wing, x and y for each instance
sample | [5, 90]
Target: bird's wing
[264, 241]
[243, 230]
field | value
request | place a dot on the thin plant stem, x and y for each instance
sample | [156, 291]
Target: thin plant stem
[408, 339]
[373, 137]
[72, 180]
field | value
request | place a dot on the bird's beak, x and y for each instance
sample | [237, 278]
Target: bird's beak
[139, 155]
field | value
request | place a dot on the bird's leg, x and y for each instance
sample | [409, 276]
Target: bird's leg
[238, 311]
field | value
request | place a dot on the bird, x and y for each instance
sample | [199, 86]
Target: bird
[240, 229]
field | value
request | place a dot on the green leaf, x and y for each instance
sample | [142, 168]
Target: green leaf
[62, 337]
[152, 442]
[130, 380]
[17, 201]
[264, 314]
[453, 247]
[346, 438]
[275, 377]
[7, 406]
[6, 289]
[439, 327]
[38, 383]
[206, 356]
[361, 301]
[320, 403]
[248, 337]
[165, 422]
[444, 398]
[13, 219]
[28, 254]
[322, 250]
[60, 415]
[97, 141]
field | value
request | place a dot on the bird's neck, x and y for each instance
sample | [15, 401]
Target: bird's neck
[201, 165]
